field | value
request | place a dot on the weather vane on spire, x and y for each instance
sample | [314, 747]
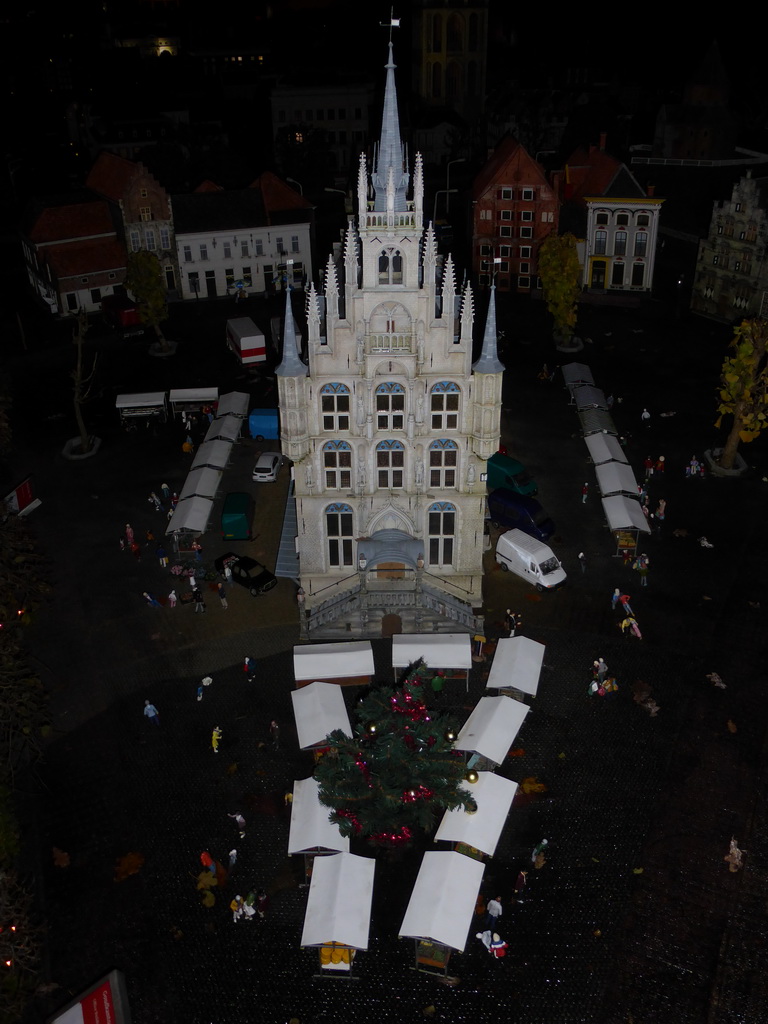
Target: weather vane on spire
[392, 23]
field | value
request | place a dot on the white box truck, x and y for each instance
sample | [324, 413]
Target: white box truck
[529, 558]
[246, 340]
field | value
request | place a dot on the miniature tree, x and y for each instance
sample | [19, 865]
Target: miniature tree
[397, 771]
[81, 388]
[144, 280]
[560, 274]
[744, 387]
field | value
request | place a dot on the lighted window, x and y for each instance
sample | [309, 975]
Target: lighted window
[442, 531]
[334, 402]
[145, 212]
[338, 529]
[390, 460]
[337, 465]
[444, 405]
[443, 459]
[390, 406]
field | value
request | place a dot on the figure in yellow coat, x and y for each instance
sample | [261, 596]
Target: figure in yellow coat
[215, 737]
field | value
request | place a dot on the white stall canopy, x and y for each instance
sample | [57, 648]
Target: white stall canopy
[339, 903]
[516, 665]
[191, 514]
[192, 399]
[234, 403]
[625, 514]
[311, 828]
[493, 795]
[615, 478]
[442, 904]
[225, 429]
[588, 397]
[604, 448]
[319, 709]
[491, 728]
[596, 421]
[439, 650]
[146, 403]
[214, 454]
[203, 483]
[346, 662]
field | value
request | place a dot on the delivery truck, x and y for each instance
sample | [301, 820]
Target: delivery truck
[246, 341]
[530, 559]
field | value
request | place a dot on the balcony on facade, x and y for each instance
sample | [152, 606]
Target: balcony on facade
[392, 220]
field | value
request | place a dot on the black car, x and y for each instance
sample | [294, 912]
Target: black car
[247, 572]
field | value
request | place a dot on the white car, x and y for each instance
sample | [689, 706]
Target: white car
[267, 467]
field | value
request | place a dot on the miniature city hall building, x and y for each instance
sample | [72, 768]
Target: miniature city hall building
[390, 424]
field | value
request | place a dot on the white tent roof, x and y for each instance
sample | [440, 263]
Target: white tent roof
[439, 650]
[191, 514]
[213, 453]
[333, 661]
[339, 903]
[577, 373]
[145, 400]
[596, 421]
[225, 429]
[442, 904]
[319, 709]
[625, 513]
[494, 795]
[604, 448]
[615, 478]
[588, 397]
[203, 482]
[491, 728]
[310, 826]
[235, 403]
[194, 395]
[516, 663]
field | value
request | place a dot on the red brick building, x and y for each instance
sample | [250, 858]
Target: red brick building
[514, 208]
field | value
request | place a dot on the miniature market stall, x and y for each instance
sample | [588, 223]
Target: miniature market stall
[189, 520]
[604, 448]
[616, 478]
[626, 520]
[449, 654]
[319, 709]
[574, 375]
[338, 914]
[490, 730]
[184, 400]
[588, 397]
[493, 795]
[202, 482]
[516, 667]
[596, 421]
[345, 663]
[312, 833]
[234, 403]
[215, 454]
[149, 405]
[226, 428]
[441, 909]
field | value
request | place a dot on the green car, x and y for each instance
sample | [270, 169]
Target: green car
[510, 475]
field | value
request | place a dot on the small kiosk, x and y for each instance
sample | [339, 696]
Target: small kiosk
[189, 520]
[441, 909]
[319, 709]
[312, 834]
[493, 795]
[149, 405]
[450, 653]
[626, 520]
[490, 730]
[574, 375]
[225, 428]
[338, 914]
[516, 667]
[201, 483]
[596, 421]
[616, 478]
[345, 664]
[215, 454]
[185, 400]
[234, 403]
[604, 448]
[588, 397]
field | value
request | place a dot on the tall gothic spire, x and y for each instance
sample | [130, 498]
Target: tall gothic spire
[489, 358]
[291, 365]
[390, 157]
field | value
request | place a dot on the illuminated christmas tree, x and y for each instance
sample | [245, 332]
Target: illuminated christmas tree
[398, 771]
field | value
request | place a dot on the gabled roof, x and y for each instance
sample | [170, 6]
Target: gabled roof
[268, 201]
[70, 220]
[593, 172]
[208, 186]
[78, 259]
[510, 163]
[113, 175]
[277, 196]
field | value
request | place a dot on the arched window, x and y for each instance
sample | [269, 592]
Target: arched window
[390, 459]
[473, 33]
[455, 33]
[390, 406]
[437, 33]
[334, 401]
[390, 267]
[443, 458]
[338, 530]
[442, 530]
[337, 465]
[444, 405]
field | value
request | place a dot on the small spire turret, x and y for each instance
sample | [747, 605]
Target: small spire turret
[291, 364]
[489, 358]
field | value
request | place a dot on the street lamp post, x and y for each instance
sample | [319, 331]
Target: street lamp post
[440, 192]
[298, 184]
[458, 160]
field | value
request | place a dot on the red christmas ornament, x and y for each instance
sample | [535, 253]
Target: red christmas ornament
[352, 818]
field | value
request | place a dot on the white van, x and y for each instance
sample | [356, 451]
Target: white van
[527, 557]
[246, 340]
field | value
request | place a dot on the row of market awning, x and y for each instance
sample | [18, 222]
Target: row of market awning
[615, 479]
[195, 505]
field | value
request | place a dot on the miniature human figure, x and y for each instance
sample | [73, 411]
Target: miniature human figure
[645, 417]
[215, 737]
[151, 712]
[537, 857]
[615, 598]
[584, 493]
[734, 857]
[497, 947]
[659, 467]
[154, 500]
[274, 731]
[240, 822]
[520, 883]
[262, 903]
[236, 906]
[419, 472]
[151, 600]
[648, 464]
[172, 599]
[129, 534]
